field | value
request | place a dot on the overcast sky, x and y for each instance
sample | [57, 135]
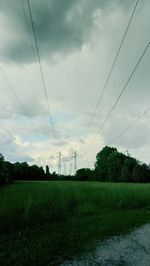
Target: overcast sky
[78, 40]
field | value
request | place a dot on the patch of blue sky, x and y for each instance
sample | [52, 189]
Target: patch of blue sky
[62, 118]
[37, 137]
[68, 119]
[19, 118]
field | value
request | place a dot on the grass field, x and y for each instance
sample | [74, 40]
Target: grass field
[43, 223]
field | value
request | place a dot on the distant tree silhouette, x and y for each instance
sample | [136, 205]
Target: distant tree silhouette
[47, 171]
[110, 166]
[84, 174]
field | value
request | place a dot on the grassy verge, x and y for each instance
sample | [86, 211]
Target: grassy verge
[44, 223]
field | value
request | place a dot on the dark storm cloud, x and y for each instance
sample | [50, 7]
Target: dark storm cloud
[61, 26]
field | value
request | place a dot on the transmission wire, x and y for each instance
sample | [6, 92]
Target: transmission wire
[9, 132]
[27, 27]
[112, 67]
[129, 127]
[116, 102]
[13, 91]
[40, 67]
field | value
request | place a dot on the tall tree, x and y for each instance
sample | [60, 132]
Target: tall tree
[101, 165]
[127, 169]
[115, 164]
[47, 171]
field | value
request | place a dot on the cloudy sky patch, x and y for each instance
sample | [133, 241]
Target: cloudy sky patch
[78, 40]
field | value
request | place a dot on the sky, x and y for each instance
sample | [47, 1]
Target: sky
[78, 41]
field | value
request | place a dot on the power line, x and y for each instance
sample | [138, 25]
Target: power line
[124, 88]
[116, 102]
[130, 126]
[9, 132]
[40, 67]
[27, 26]
[13, 91]
[112, 67]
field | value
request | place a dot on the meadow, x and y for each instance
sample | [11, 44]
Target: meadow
[44, 223]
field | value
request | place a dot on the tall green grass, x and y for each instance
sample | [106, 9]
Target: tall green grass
[26, 204]
[43, 223]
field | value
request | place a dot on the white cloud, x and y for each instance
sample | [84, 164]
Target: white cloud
[74, 82]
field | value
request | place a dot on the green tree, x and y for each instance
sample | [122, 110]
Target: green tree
[102, 162]
[47, 171]
[84, 174]
[145, 173]
[136, 174]
[115, 165]
[127, 169]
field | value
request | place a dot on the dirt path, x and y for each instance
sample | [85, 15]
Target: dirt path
[130, 250]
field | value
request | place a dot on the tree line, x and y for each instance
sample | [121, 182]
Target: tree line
[110, 166]
[10, 172]
[114, 166]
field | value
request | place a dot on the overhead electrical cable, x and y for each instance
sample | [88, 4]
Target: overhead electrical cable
[124, 88]
[120, 95]
[13, 137]
[41, 70]
[9, 132]
[112, 67]
[27, 27]
[129, 127]
[13, 91]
